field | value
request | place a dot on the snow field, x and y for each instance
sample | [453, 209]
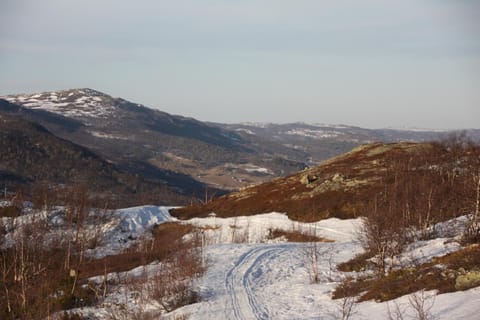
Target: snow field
[259, 278]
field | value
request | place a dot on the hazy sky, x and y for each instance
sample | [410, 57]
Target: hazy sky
[372, 63]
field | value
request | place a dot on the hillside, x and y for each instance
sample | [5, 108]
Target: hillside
[31, 155]
[188, 154]
[152, 143]
[345, 186]
[413, 251]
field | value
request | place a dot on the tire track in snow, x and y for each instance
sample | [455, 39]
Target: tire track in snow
[238, 284]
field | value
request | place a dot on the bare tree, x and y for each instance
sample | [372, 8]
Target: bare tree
[397, 313]
[421, 303]
[312, 256]
[383, 235]
[473, 231]
[347, 308]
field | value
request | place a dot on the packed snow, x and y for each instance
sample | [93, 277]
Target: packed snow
[252, 276]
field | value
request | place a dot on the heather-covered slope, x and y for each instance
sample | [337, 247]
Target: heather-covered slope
[346, 186]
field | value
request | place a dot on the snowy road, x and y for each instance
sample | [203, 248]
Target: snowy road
[239, 280]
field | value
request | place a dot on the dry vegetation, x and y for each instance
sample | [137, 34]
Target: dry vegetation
[41, 274]
[336, 188]
[295, 236]
[346, 186]
[438, 184]
[402, 190]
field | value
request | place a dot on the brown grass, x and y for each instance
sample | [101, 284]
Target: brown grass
[358, 263]
[296, 236]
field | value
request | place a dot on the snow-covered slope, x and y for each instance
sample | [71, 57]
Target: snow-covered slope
[260, 278]
[76, 103]
[272, 280]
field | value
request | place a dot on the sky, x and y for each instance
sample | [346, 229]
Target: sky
[370, 63]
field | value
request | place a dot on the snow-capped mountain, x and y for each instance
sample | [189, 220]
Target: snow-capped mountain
[169, 148]
[79, 103]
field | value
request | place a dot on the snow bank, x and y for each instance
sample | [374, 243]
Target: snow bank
[127, 226]
[138, 219]
[256, 228]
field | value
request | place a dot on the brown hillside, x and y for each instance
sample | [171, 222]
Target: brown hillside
[30, 156]
[342, 187]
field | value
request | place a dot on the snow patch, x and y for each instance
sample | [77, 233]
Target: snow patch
[108, 136]
[76, 103]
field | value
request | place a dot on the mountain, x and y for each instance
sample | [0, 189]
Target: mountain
[195, 157]
[182, 152]
[321, 141]
[31, 155]
[348, 186]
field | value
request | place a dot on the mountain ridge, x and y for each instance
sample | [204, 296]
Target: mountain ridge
[135, 134]
[173, 149]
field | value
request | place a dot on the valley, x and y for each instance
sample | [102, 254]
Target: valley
[114, 210]
[190, 155]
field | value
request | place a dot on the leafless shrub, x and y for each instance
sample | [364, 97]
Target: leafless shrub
[331, 264]
[177, 316]
[422, 304]
[172, 286]
[312, 260]
[239, 236]
[382, 235]
[170, 289]
[397, 313]
[346, 308]
[312, 256]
